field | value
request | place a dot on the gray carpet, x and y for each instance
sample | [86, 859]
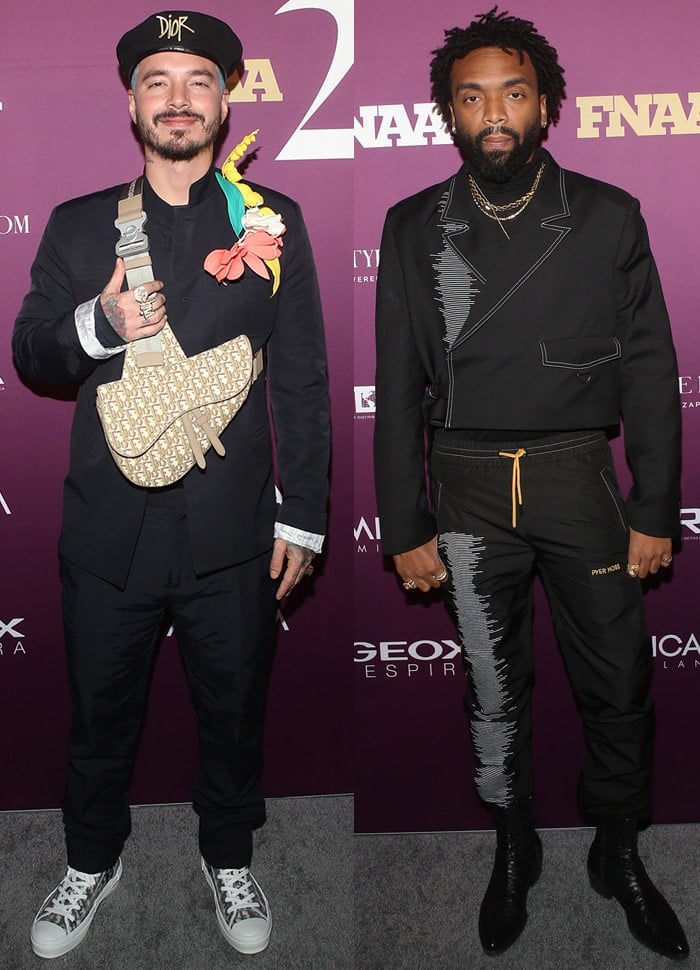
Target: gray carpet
[413, 903]
[417, 900]
[161, 915]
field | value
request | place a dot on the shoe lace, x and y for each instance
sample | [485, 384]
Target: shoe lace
[71, 895]
[238, 892]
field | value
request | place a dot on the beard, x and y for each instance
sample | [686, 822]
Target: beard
[179, 146]
[499, 166]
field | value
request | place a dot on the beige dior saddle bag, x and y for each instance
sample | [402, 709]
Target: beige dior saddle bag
[168, 409]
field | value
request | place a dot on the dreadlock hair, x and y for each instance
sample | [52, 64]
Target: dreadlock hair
[495, 29]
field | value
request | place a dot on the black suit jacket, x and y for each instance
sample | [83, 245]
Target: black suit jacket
[231, 506]
[562, 327]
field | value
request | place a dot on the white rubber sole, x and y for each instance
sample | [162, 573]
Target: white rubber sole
[242, 946]
[51, 950]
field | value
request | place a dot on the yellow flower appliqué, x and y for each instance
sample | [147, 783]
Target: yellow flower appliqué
[258, 228]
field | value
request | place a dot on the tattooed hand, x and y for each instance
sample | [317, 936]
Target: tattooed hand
[298, 565]
[123, 310]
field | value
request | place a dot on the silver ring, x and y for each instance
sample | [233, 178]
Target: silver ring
[147, 311]
[141, 294]
[666, 560]
[442, 577]
[409, 584]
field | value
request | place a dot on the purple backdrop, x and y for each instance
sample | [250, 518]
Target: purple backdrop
[65, 131]
[628, 119]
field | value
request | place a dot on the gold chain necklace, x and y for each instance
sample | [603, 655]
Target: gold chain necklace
[502, 213]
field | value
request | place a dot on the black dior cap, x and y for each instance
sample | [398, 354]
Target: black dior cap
[180, 30]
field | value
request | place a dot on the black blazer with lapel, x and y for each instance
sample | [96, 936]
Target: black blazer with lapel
[561, 327]
[230, 506]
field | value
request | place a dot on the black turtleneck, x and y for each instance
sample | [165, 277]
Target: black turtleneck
[500, 193]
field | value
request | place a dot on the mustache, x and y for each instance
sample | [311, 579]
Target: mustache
[496, 130]
[169, 115]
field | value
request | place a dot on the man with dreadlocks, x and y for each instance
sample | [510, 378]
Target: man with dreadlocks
[519, 316]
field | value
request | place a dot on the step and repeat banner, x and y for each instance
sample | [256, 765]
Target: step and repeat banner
[632, 117]
[64, 132]
[347, 144]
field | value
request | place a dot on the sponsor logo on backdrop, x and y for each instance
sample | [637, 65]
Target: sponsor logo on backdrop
[672, 651]
[364, 401]
[690, 524]
[365, 263]
[689, 389]
[421, 659]
[12, 638]
[409, 660]
[368, 534]
[643, 114]
[4, 507]
[259, 83]
[314, 142]
[400, 126]
[14, 225]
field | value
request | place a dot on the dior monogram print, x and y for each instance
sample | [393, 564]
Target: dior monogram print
[158, 420]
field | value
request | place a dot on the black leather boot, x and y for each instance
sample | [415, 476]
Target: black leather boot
[517, 866]
[615, 869]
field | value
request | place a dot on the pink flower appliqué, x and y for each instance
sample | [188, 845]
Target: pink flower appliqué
[252, 250]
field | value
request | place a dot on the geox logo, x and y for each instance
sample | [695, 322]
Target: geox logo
[171, 27]
[11, 628]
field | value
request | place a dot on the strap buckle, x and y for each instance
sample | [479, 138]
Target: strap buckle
[133, 240]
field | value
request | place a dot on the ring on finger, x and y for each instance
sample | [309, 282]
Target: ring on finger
[147, 312]
[633, 569]
[441, 577]
[141, 294]
[666, 560]
[409, 584]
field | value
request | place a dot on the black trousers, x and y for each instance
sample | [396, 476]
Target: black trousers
[571, 529]
[225, 626]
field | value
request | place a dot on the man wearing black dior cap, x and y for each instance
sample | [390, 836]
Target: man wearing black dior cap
[212, 550]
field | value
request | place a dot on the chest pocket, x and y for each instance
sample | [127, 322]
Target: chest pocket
[580, 353]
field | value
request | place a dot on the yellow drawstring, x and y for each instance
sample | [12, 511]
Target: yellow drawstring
[515, 488]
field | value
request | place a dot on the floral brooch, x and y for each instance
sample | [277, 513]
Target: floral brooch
[258, 228]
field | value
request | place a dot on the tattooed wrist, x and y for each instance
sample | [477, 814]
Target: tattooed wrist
[305, 555]
[115, 315]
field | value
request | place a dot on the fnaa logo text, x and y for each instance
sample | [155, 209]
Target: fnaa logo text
[396, 126]
[646, 114]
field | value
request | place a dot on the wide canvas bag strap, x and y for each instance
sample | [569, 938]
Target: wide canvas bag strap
[132, 246]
